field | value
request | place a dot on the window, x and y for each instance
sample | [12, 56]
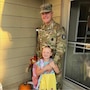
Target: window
[83, 33]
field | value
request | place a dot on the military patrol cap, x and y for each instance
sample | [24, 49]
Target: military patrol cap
[46, 8]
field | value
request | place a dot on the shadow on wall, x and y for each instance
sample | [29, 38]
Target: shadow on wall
[5, 42]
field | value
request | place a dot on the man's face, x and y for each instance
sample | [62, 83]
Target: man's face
[46, 17]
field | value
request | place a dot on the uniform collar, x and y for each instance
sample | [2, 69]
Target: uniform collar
[49, 23]
[49, 26]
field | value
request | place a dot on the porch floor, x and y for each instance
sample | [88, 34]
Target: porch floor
[67, 86]
[71, 86]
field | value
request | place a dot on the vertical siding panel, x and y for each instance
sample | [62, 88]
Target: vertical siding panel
[65, 13]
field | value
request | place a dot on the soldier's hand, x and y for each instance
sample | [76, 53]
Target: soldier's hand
[52, 64]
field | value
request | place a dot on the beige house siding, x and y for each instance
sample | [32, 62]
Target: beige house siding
[18, 20]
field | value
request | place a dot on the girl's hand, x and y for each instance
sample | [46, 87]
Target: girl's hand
[48, 68]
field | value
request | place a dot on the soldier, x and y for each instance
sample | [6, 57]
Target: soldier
[53, 35]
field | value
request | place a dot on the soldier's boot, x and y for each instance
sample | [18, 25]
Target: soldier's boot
[59, 86]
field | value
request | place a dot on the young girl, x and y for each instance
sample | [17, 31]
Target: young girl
[46, 69]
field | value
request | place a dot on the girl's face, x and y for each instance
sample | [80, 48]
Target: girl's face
[46, 53]
[46, 17]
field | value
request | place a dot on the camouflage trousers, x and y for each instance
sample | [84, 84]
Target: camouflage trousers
[59, 77]
[59, 81]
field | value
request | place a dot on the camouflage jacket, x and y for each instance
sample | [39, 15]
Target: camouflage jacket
[54, 36]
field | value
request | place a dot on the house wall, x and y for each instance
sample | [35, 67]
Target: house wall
[65, 13]
[18, 20]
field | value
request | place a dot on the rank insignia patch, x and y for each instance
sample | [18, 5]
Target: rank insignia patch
[63, 36]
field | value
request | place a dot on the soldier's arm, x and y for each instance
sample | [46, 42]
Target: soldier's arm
[60, 44]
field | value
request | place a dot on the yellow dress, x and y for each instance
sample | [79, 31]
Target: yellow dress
[48, 82]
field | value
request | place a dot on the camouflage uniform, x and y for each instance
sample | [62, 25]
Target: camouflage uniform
[54, 36]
